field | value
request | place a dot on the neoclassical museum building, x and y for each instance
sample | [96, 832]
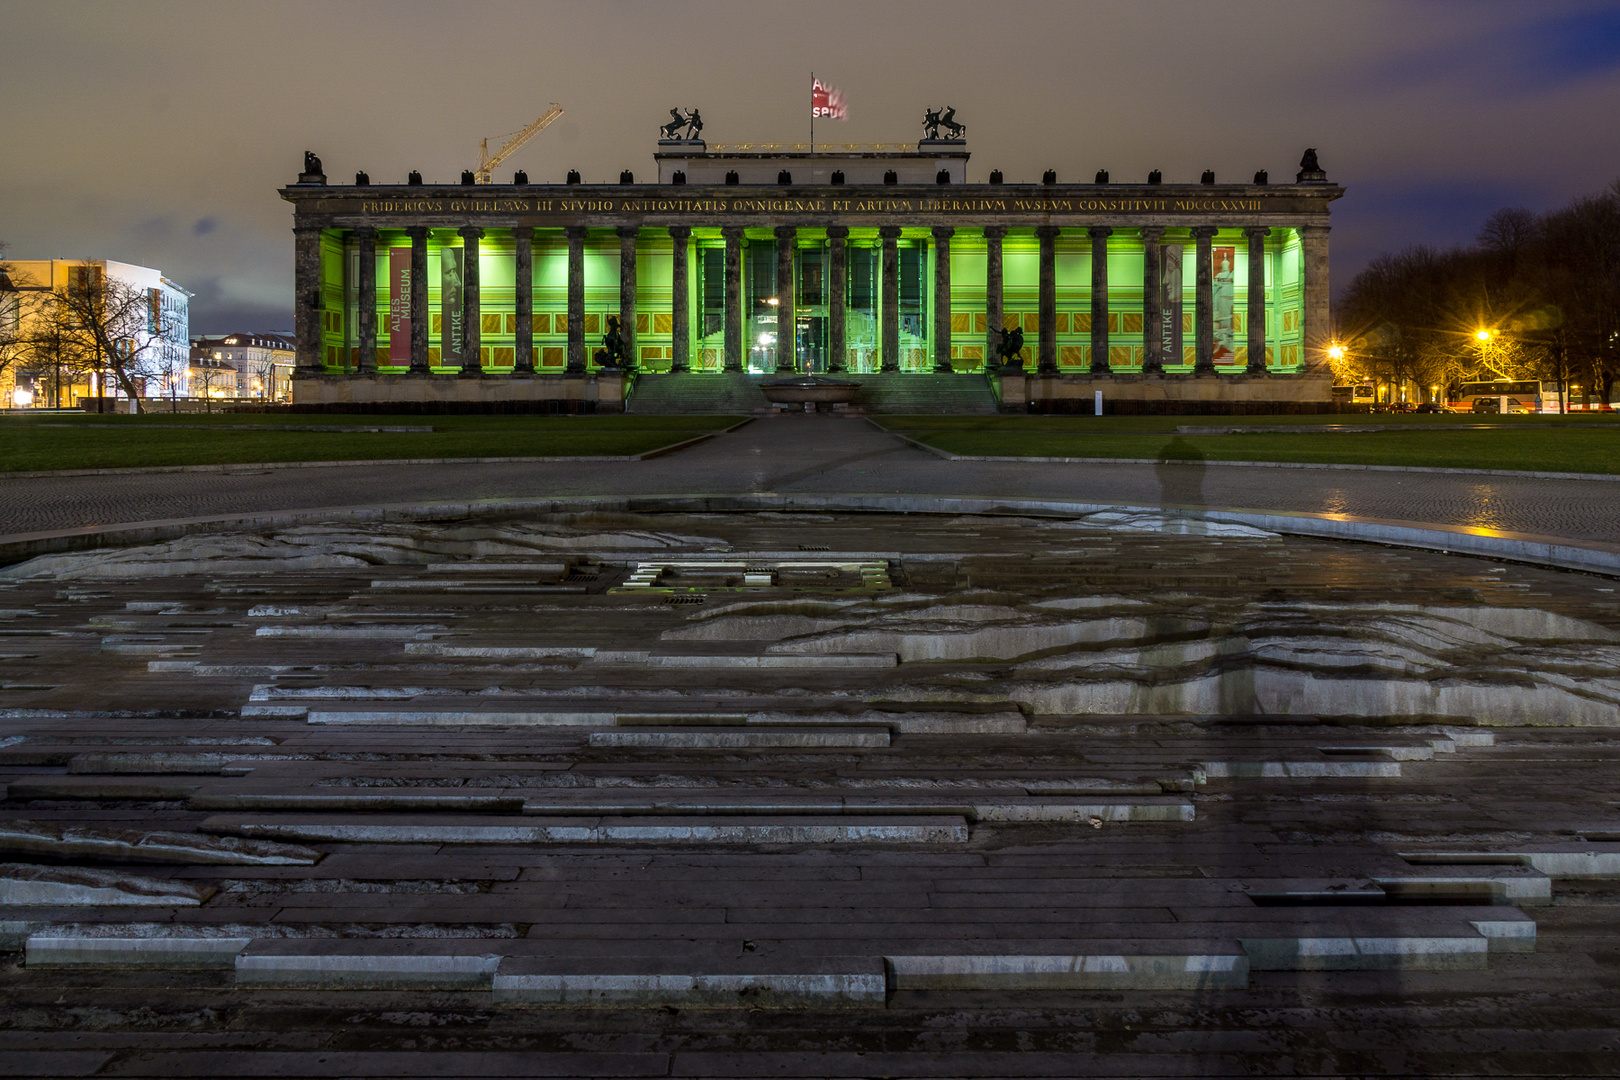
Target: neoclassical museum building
[876, 262]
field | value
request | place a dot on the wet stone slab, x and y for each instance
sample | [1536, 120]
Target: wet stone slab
[1060, 783]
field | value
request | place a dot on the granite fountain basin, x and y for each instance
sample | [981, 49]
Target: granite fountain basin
[810, 390]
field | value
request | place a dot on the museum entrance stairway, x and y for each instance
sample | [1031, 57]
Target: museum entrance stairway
[907, 393]
[663, 395]
[734, 392]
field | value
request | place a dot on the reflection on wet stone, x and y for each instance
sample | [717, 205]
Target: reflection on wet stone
[1180, 471]
[1060, 776]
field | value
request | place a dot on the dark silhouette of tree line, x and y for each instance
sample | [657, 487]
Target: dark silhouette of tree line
[1536, 296]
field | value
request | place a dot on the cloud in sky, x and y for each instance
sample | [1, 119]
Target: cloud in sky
[157, 132]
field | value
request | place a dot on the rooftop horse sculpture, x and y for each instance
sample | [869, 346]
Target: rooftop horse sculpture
[934, 119]
[692, 122]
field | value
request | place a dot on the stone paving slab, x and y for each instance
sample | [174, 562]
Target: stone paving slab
[1049, 853]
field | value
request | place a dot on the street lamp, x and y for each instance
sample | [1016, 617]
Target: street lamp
[1335, 351]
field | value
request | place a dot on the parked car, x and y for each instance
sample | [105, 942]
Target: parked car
[1430, 407]
[1487, 405]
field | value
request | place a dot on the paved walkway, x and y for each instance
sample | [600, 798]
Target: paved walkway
[825, 455]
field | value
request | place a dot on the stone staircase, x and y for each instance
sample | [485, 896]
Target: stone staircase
[943, 394]
[663, 395]
[880, 393]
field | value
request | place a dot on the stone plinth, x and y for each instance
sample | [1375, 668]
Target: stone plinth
[1028, 390]
[606, 390]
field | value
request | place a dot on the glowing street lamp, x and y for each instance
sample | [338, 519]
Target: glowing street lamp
[1335, 351]
[1482, 336]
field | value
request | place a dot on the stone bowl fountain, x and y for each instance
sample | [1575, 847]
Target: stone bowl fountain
[809, 390]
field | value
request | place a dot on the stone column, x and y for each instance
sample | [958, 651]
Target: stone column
[310, 305]
[1099, 298]
[576, 299]
[1046, 353]
[366, 302]
[523, 270]
[734, 297]
[889, 330]
[419, 301]
[837, 286]
[993, 316]
[1256, 299]
[627, 293]
[1152, 311]
[1204, 307]
[472, 304]
[942, 297]
[1314, 278]
[680, 303]
[786, 323]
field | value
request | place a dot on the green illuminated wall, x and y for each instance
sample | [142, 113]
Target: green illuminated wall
[705, 259]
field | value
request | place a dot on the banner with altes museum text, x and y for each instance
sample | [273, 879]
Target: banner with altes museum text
[399, 306]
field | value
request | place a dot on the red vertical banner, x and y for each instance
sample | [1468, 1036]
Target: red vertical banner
[399, 306]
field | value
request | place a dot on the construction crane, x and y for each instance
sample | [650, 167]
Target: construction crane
[487, 163]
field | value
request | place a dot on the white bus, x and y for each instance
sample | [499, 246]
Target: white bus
[1505, 396]
[1356, 394]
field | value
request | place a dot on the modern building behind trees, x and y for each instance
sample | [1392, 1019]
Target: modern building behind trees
[76, 329]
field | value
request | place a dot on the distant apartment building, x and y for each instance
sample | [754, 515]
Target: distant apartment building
[51, 368]
[257, 365]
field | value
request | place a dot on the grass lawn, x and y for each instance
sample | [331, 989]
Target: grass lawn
[67, 441]
[1553, 444]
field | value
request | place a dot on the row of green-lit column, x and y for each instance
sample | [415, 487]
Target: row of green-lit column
[837, 245]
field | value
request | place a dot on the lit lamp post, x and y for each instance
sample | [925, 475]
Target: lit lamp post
[1484, 338]
[1335, 355]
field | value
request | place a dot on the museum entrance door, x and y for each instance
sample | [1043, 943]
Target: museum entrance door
[811, 342]
[810, 308]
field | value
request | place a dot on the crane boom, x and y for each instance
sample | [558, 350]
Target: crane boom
[488, 162]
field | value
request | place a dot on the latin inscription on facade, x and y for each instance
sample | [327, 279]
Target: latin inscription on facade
[954, 207]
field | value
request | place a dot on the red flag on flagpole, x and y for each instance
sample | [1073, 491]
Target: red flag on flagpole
[826, 103]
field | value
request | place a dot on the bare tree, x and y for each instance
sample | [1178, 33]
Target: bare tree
[14, 346]
[121, 330]
[264, 371]
[1510, 234]
[54, 345]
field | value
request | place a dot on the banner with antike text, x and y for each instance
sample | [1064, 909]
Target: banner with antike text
[1170, 256]
[452, 335]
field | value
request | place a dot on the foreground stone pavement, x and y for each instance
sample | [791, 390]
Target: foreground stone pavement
[805, 795]
[822, 454]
